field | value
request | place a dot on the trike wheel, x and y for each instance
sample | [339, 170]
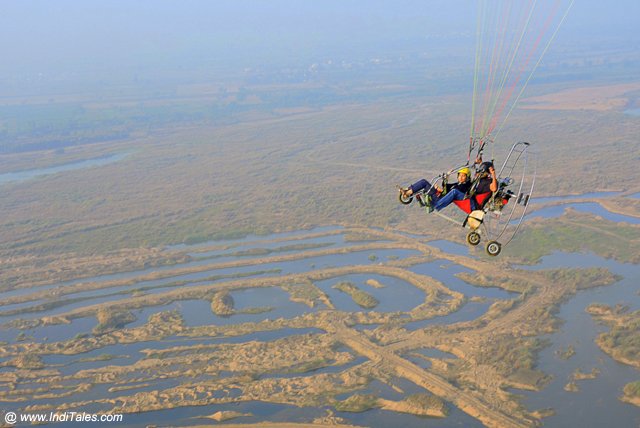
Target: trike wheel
[473, 238]
[493, 248]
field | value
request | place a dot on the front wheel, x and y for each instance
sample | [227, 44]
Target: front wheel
[473, 238]
[405, 200]
[493, 248]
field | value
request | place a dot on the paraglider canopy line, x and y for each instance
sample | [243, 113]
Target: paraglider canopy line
[512, 38]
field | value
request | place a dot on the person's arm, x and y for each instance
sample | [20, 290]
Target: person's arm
[439, 188]
[494, 181]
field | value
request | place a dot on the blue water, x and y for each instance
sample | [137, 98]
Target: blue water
[51, 333]
[160, 285]
[59, 310]
[596, 404]
[585, 207]
[198, 312]
[591, 195]
[294, 266]
[451, 247]
[12, 177]
[416, 359]
[71, 364]
[445, 271]
[468, 312]
[435, 353]
[396, 295]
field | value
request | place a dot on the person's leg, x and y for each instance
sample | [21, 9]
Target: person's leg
[452, 195]
[415, 187]
[419, 186]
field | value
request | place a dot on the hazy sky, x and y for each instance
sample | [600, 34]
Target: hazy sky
[44, 36]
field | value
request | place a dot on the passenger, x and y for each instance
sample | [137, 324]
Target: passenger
[455, 192]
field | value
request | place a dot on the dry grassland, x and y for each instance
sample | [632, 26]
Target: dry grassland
[598, 98]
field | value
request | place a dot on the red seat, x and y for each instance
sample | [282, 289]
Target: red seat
[465, 204]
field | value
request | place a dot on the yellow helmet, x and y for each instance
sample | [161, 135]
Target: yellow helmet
[464, 170]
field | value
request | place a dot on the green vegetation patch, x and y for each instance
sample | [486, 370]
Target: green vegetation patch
[533, 379]
[256, 310]
[111, 320]
[374, 283]
[572, 387]
[360, 237]
[632, 389]
[363, 299]
[102, 357]
[484, 280]
[306, 293]
[309, 366]
[516, 358]
[222, 304]
[26, 361]
[581, 278]
[427, 402]
[605, 238]
[567, 353]
[580, 375]
[357, 403]
[622, 342]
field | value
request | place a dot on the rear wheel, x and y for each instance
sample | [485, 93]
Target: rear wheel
[493, 248]
[473, 238]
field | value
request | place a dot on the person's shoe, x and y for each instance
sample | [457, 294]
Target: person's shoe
[403, 191]
[429, 204]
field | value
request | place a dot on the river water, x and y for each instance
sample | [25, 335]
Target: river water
[596, 404]
[584, 207]
[13, 177]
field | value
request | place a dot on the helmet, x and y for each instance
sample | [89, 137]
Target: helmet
[464, 170]
[484, 167]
